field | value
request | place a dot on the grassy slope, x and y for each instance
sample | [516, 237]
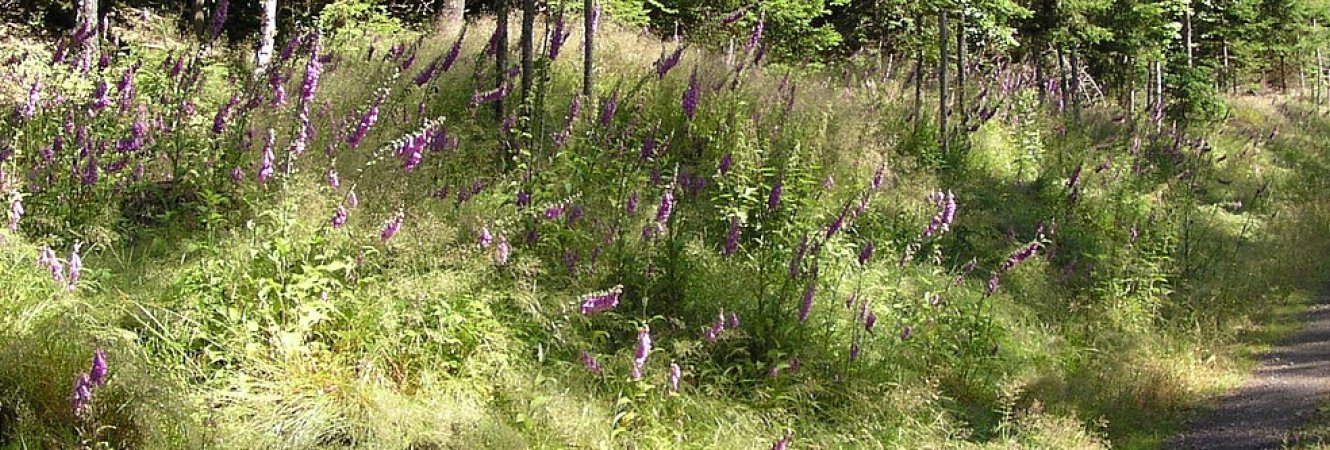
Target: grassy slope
[221, 336]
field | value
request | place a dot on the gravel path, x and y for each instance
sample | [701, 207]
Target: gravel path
[1279, 397]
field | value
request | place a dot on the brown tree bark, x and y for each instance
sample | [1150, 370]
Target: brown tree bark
[588, 48]
[943, 42]
[501, 53]
[87, 23]
[528, 46]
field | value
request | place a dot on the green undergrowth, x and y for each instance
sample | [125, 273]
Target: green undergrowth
[238, 317]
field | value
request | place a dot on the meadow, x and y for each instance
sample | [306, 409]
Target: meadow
[374, 246]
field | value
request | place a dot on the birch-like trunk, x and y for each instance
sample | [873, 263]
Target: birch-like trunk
[263, 58]
[88, 24]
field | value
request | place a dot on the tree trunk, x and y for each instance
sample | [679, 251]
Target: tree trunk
[88, 24]
[199, 17]
[589, 46]
[960, 72]
[528, 46]
[501, 53]
[454, 12]
[1039, 77]
[1228, 83]
[1075, 89]
[918, 87]
[918, 76]
[1320, 77]
[1283, 74]
[943, 42]
[267, 36]
[1191, 60]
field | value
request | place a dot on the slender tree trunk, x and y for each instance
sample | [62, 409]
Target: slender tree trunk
[589, 46]
[1039, 76]
[454, 12]
[528, 46]
[1191, 60]
[943, 43]
[1320, 77]
[1227, 82]
[918, 87]
[1075, 89]
[1063, 84]
[88, 22]
[960, 71]
[199, 17]
[1283, 74]
[1159, 82]
[263, 59]
[501, 53]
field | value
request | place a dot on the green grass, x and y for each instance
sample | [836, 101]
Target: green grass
[243, 320]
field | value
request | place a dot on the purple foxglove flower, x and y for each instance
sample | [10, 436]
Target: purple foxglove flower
[866, 253]
[949, 211]
[773, 373]
[485, 237]
[649, 147]
[333, 181]
[553, 212]
[29, 109]
[313, 70]
[393, 225]
[45, 256]
[523, 199]
[734, 321]
[237, 175]
[601, 301]
[837, 224]
[854, 352]
[756, 35]
[732, 237]
[409, 61]
[1020, 256]
[292, 44]
[503, 250]
[717, 327]
[965, 271]
[675, 375]
[590, 362]
[631, 207]
[667, 63]
[608, 110]
[266, 161]
[570, 261]
[82, 395]
[575, 213]
[97, 376]
[725, 163]
[277, 82]
[57, 271]
[414, 154]
[558, 37]
[798, 259]
[773, 200]
[15, 213]
[806, 306]
[666, 207]
[339, 217]
[870, 320]
[491, 96]
[734, 17]
[993, 284]
[690, 96]
[224, 114]
[643, 351]
[99, 99]
[219, 17]
[366, 121]
[907, 332]
[453, 52]
[75, 267]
